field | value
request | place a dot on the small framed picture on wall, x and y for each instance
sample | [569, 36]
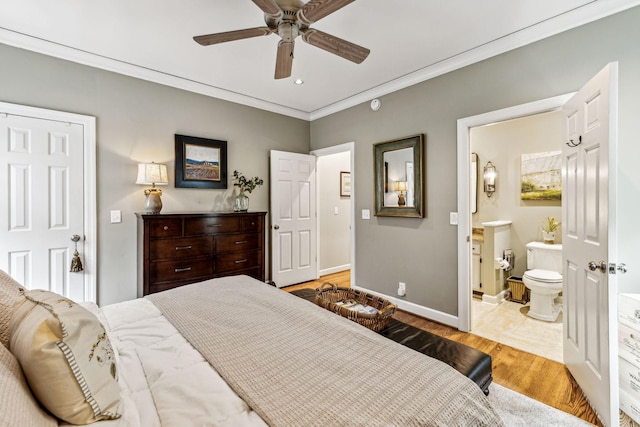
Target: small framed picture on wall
[345, 184]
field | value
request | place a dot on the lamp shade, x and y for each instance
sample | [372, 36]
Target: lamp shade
[401, 186]
[152, 174]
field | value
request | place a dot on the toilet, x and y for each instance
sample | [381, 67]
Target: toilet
[544, 279]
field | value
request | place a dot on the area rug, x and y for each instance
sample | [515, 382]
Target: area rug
[518, 410]
[514, 408]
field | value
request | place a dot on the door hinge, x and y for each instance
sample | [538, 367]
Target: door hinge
[614, 268]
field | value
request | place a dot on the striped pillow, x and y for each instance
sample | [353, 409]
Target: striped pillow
[66, 357]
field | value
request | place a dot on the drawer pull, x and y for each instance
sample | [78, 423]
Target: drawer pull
[240, 261]
[165, 228]
[214, 225]
[181, 270]
[240, 242]
[183, 248]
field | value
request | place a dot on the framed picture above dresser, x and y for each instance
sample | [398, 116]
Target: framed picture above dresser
[176, 249]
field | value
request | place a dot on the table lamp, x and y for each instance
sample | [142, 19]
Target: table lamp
[152, 174]
[401, 186]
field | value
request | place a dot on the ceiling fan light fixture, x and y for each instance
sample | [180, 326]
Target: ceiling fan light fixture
[288, 19]
[287, 31]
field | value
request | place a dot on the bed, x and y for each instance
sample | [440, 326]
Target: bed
[231, 351]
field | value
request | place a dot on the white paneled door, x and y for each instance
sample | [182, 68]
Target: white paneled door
[42, 203]
[589, 242]
[293, 218]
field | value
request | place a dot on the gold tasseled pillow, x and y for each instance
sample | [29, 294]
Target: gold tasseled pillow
[66, 357]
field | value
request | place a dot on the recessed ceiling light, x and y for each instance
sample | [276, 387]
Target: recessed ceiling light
[298, 81]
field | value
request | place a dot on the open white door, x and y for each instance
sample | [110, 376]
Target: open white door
[293, 218]
[589, 241]
[43, 201]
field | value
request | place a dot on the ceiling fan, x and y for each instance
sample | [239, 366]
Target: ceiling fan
[289, 19]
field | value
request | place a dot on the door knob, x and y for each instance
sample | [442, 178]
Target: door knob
[602, 266]
[276, 227]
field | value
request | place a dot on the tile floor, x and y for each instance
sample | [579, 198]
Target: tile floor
[507, 323]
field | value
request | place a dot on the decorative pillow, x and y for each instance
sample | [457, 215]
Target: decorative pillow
[19, 407]
[9, 296]
[66, 357]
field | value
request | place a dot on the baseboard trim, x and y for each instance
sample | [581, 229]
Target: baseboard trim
[428, 313]
[336, 269]
[495, 299]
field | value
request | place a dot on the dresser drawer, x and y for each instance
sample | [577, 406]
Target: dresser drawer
[236, 261]
[236, 242]
[211, 225]
[180, 248]
[165, 228]
[252, 223]
[187, 269]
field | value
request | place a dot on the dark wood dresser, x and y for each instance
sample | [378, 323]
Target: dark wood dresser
[175, 249]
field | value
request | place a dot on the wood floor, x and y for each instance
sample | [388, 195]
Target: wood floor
[541, 379]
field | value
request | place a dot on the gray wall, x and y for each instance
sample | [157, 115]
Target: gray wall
[422, 252]
[136, 121]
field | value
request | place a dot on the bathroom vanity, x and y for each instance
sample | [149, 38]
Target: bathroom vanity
[490, 242]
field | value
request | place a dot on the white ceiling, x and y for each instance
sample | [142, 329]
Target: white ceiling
[410, 41]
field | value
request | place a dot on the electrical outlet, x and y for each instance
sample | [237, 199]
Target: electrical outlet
[402, 289]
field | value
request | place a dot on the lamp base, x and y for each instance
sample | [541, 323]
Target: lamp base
[153, 203]
[401, 201]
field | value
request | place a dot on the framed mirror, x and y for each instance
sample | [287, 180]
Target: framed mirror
[398, 177]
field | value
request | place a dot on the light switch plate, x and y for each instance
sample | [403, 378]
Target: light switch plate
[453, 218]
[366, 214]
[116, 217]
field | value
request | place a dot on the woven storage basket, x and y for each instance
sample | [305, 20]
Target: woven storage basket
[519, 292]
[329, 294]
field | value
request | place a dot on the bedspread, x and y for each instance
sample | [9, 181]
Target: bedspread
[297, 364]
[164, 381]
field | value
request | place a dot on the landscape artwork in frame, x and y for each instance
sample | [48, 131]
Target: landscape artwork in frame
[201, 162]
[345, 184]
[540, 176]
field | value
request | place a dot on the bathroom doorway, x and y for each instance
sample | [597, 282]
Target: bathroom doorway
[502, 138]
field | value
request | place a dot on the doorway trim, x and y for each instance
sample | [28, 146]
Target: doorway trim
[341, 148]
[464, 189]
[88, 124]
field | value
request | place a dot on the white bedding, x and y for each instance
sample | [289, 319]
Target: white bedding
[162, 377]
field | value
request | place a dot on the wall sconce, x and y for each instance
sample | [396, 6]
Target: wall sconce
[489, 179]
[152, 174]
[401, 186]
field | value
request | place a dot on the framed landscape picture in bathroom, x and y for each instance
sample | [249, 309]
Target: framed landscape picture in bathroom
[540, 176]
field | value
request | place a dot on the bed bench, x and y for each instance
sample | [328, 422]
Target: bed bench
[472, 363]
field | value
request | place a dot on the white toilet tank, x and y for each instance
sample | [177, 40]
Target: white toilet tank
[541, 256]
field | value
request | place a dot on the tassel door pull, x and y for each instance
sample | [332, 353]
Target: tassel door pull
[76, 263]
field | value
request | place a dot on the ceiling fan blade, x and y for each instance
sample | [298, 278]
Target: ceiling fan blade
[315, 10]
[229, 36]
[336, 45]
[284, 59]
[270, 7]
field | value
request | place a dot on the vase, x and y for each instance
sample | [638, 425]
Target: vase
[549, 237]
[241, 203]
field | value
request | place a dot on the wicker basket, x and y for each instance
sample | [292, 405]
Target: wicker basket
[519, 292]
[329, 294]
